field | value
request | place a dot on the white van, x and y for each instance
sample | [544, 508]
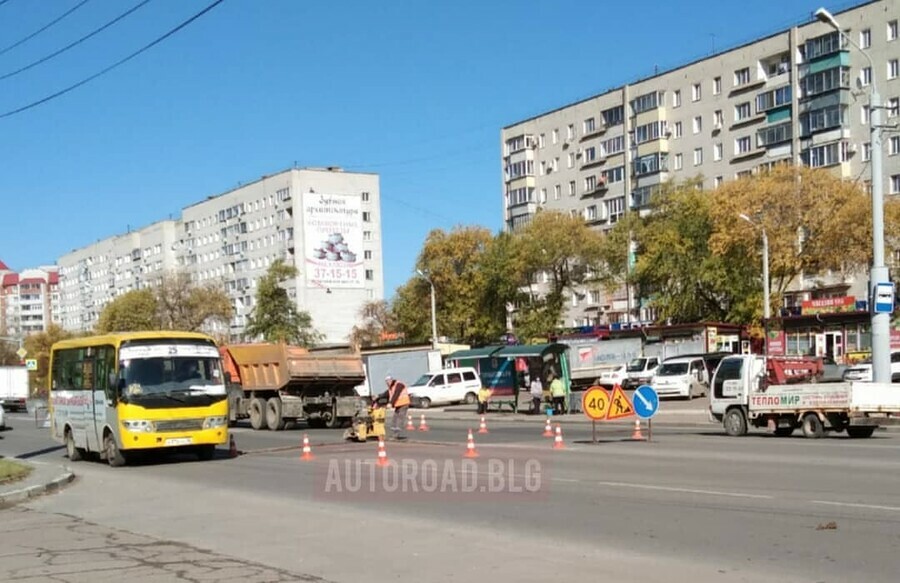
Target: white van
[681, 377]
[445, 387]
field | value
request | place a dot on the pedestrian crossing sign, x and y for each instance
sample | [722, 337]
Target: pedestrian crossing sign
[619, 405]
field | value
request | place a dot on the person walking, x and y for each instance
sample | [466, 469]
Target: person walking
[558, 394]
[398, 398]
[537, 394]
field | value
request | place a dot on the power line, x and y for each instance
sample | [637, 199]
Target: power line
[78, 42]
[102, 72]
[42, 29]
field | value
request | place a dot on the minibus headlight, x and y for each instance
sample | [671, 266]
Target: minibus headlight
[139, 425]
[213, 422]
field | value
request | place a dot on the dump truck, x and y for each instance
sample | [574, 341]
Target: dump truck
[274, 384]
[781, 394]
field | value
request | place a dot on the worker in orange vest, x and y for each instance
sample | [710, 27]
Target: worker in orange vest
[398, 397]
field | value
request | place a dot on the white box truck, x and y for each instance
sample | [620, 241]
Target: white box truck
[13, 387]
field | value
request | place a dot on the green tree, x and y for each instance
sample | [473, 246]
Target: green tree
[8, 356]
[275, 316]
[38, 347]
[376, 320]
[131, 311]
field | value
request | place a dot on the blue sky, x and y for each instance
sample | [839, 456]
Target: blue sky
[415, 91]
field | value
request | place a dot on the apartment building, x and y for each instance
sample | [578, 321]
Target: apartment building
[29, 300]
[798, 96]
[324, 221]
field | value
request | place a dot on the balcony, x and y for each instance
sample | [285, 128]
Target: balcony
[598, 130]
[747, 121]
[750, 86]
[597, 161]
[749, 154]
[599, 188]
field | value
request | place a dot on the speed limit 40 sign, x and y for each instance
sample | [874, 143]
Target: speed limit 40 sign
[595, 403]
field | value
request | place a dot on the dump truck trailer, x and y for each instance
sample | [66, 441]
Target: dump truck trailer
[273, 384]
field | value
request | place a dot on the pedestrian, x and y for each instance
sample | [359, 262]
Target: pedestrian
[484, 394]
[537, 394]
[398, 398]
[558, 394]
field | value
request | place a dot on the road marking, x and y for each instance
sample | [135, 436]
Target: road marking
[685, 490]
[853, 505]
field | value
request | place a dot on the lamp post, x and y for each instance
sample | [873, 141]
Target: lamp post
[881, 333]
[434, 336]
[765, 260]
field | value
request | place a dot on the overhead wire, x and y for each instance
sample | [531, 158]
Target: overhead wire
[43, 28]
[75, 43]
[118, 63]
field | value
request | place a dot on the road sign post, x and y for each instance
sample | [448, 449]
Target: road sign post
[646, 406]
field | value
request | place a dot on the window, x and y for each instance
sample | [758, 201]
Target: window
[543, 199]
[698, 156]
[893, 107]
[589, 125]
[590, 184]
[370, 275]
[570, 160]
[865, 76]
[718, 119]
[774, 98]
[867, 151]
[557, 192]
[554, 136]
[367, 235]
[640, 197]
[825, 155]
[651, 163]
[827, 80]
[742, 111]
[823, 45]
[741, 76]
[613, 116]
[893, 69]
[570, 131]
[571, 188]
[676, 98]
[892, 30]
[590, 213]
[698, 124]
[717, 85]
[894, 146]
[367, 254]
[615, 209]
[679, 163]
[821, 119]
[650, 131]
[367, 217]
[719, 181]
[742, 145]
[612, 146]
[695, 92]
[865, 38]
[895, 184]
[612, 175]
[774, 134]
[645, 102]
[864, 115]
[678, 130]
[590, 155]
[541, 141]
[717, 151]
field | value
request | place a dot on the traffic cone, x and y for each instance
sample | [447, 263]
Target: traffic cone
[422, 425]
[548, 430]
[470, 446]
[482, 428]
[409, 423]
[637, 431]
[232, 447]
[382, 454]
[307, 455]
[558, 440]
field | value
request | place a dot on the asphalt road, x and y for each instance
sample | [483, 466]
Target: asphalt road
[693, 505]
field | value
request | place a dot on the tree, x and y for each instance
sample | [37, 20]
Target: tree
[38, 347]
[377, 320]
[133, 310]
[275, 316]
[815, 223]
[8, 356]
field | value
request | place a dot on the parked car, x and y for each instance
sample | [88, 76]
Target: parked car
[613, 376]
[862, 371]
[681, 376]
[640, 371]
[831, 371]
[445, 387]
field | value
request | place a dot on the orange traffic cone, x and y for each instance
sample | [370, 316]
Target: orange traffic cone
[232, 448]
[422, 425]
[470, 446]
[409, 423]
[307, 455]
[558, 440]
[548, 431]
[637, 431]
[483, 427]
[382, 454]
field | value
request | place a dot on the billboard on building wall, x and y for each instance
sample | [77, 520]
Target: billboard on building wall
[332, 235]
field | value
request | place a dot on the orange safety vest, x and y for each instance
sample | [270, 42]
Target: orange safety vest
[398, 395]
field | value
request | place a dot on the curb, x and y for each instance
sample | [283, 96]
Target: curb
[20, 495]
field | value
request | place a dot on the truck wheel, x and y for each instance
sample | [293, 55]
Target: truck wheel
[471, 398]
[860, 431]
[76, 454]
[735, 422]
[273, 414]
[258, 413]
[812, 426]
[331, 420]
[114, 456]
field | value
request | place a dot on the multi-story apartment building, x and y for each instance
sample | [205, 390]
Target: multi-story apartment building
[29, 301]
[324, 221]
[798, 96]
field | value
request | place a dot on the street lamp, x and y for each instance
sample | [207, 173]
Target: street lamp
[434, 336]
[881, 333]
[765, 260]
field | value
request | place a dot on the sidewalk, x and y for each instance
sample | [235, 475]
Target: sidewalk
[44, 478]
[683, 415]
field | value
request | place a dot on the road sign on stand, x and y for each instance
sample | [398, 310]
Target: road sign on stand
[595, 403]
[646, 402]
[620, 407]
[31, 364]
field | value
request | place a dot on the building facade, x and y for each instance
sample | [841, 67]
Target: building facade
[798, 96]
[324, 221]
[29, 300]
